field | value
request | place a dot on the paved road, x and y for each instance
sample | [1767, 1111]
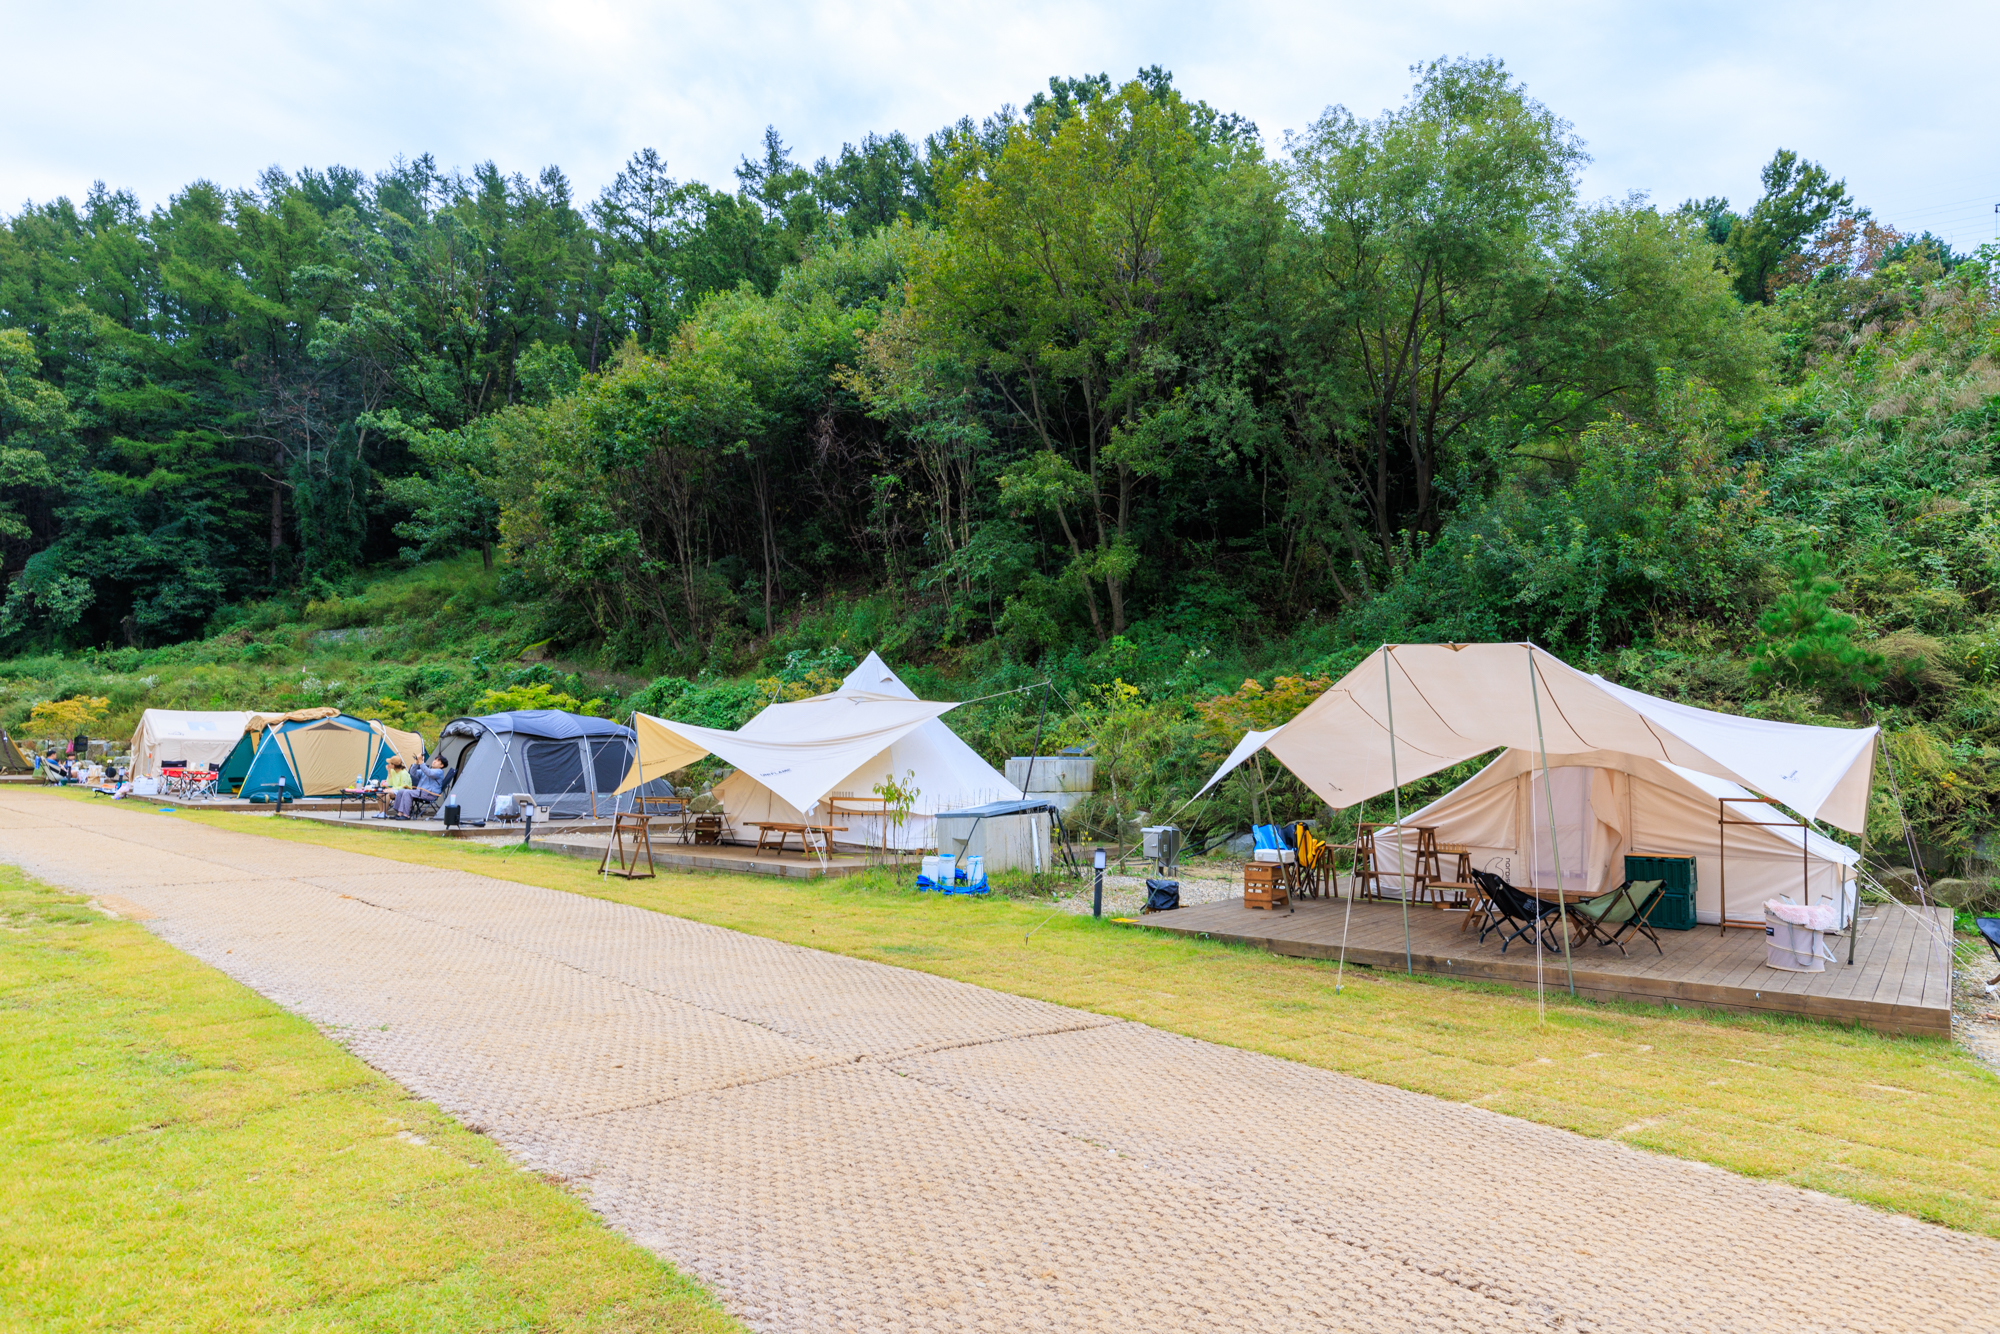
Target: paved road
[839, 1145]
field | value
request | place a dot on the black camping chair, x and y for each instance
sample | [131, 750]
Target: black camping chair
[1989, 927]
[425, 804]
[1516, 916]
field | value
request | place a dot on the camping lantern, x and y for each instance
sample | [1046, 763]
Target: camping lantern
[451, 812]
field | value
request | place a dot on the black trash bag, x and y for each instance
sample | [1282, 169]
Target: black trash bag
[1163, 895]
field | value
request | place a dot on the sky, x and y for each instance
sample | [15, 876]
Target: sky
[1676, 101]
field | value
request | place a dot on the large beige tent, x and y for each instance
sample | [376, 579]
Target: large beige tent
[1623, 769]
[199, 739]
[1412, 709]
[1607, 806]
[792, 757]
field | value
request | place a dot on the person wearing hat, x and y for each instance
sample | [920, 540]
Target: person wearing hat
[396, 791]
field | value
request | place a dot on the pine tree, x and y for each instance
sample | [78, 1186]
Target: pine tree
[1806, 641]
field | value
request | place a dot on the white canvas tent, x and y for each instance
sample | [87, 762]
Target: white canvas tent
[202, 739]
[792, 757]
[1442, 704]
[1606, 806]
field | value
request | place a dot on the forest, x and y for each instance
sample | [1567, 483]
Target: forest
[1106, 389]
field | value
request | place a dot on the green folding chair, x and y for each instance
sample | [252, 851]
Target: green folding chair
[1609, 918]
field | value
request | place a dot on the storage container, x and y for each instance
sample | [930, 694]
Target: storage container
[1675, 910]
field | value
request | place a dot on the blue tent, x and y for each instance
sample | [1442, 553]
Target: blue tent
[316, 758]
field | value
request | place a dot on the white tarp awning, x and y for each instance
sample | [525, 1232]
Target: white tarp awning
[823, 740]
[930, 759]
[1453, 702]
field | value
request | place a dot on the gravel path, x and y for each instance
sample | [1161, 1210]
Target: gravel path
[841, 1145]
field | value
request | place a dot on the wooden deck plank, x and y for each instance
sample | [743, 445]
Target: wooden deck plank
[1696, 968]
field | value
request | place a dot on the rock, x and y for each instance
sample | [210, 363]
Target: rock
[1966, 895]
[1238, 845]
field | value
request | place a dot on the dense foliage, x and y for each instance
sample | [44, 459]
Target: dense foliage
[1103, 390]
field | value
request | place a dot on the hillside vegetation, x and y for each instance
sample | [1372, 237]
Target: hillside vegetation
[1101, 391]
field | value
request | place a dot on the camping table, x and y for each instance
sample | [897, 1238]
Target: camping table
[361, 794]
[765, 829]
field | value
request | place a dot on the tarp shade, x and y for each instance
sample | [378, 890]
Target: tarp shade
[931, 758]
[1454, 702]
[257, 722]
[995, 809]
[801, 766]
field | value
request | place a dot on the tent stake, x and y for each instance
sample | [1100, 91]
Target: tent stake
[1549, 795]
[1396, 787]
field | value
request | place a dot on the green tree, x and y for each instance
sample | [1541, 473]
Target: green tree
[1071, 287]
[1449, 301]
[1804, 640]
[1799, 198]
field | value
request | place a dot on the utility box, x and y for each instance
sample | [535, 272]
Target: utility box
[1005, 842]
[1676, 908]
[1064, 779]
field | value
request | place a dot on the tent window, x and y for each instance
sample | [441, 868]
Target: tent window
[610, 761]
[554, 767]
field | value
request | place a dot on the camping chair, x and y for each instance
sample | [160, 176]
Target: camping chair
[424, 805]
[1989, 927]
[1315, 872]
[1624, 910]
[1515, 916]
[1478, 908]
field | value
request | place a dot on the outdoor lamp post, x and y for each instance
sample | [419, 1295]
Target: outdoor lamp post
[1097, 891]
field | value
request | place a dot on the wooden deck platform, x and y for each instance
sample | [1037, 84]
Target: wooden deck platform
[1900, 981]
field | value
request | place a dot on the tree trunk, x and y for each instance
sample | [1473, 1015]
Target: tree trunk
[277, 524]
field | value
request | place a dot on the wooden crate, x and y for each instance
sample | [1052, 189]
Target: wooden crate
[1263, 886]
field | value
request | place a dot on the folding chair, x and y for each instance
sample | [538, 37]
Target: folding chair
[1624, 910]
[1515, 916]
[1989, 927]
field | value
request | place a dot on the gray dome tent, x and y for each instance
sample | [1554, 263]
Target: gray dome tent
[572, 764]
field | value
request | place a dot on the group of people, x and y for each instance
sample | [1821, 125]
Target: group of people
[402, 788]
[85, 772]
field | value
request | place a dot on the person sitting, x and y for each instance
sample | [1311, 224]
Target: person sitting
[395, 791]
[429, 785]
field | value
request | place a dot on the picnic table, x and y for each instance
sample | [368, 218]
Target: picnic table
[785, 829]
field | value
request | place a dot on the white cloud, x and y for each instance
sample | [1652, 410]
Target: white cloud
[1683, 101]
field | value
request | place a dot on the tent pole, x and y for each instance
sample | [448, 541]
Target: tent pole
[1027, 783]
[1396, 787]
[1549, 794]
[1353, 876]
[1854, 914]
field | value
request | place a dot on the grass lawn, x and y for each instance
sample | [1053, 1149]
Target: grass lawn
[1907, 1124]
[178, 1153]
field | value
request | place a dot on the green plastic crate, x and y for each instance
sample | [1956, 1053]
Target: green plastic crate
[1675, 911]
